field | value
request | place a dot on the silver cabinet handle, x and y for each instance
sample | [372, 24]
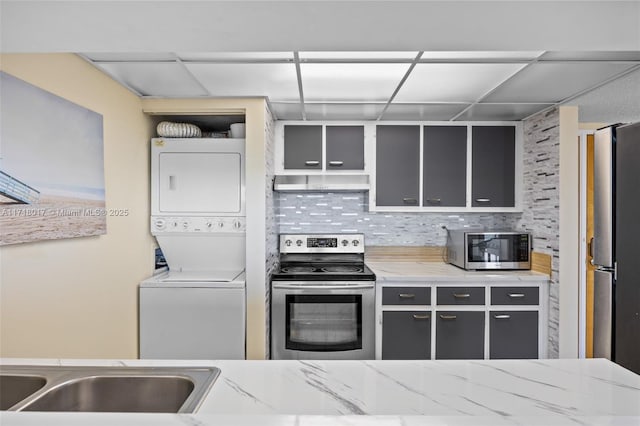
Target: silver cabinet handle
[483, 200]
[502, 316]
[461, 295]
[336, 163]
[311, 163]
[406, 295]
[516, 295]
[434, 200]
[421, 317]
[448, 317]
[409, 200]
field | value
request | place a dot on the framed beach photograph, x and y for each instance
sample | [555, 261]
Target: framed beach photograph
[51, 166]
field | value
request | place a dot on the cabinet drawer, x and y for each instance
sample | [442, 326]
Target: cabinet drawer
[514, 296]
[406, 295]
[460, 295]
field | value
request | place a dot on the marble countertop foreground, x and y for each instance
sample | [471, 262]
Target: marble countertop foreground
[440, 271]
[306, 393]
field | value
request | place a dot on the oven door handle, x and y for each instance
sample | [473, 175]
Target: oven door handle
[323, 287]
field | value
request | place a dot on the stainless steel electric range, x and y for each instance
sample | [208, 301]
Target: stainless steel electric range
[322, 299]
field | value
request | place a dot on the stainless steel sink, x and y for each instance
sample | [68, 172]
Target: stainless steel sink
[105, 389]
[14, 389]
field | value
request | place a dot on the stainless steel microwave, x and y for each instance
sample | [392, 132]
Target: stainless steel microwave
[489, 249]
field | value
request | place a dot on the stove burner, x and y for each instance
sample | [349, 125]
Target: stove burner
[342, 268]
[297, 269]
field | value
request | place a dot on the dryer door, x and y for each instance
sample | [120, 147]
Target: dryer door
[200, 182]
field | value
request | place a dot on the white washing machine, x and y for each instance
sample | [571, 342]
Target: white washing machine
[197, 309]
[192, 319]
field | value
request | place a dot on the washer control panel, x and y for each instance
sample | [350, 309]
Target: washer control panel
[213, 224]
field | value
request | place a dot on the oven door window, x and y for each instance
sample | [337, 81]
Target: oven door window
[497, 248]
[324, 323]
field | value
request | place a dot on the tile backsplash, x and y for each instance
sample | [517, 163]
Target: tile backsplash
[349, 212]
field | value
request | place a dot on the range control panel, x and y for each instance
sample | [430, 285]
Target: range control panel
[335, 243]
[214, 224]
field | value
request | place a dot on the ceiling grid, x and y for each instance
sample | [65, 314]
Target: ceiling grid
[388, 85]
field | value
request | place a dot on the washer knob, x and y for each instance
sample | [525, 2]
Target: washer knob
[288, 243]
[299, 243]
[209, 224]
[159, 223]
[237, 224]
[345, 243]
[220, 224]
[355, 243]
[185, 225]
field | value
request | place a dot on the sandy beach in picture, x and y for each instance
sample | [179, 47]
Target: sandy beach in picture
[52, 217]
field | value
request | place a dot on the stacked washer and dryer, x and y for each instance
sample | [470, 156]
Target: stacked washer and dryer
[196, 309]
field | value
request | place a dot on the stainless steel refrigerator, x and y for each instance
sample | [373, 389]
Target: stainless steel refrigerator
[616, 245]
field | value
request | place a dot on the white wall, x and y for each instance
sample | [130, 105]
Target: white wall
[77, 298]
[569, 232]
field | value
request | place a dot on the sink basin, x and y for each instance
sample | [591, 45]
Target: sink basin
[105, 389]
[14, 389]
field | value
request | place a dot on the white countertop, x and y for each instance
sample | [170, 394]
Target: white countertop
[438, 271]
[306, 393]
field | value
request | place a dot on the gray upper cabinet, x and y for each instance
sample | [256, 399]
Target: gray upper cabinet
[493, 166]
[397, 165]
[444, 166]
[345, 148]
[303, 147]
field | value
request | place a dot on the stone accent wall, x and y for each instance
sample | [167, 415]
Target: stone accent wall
[349, 212]
[271, 224]
[541, 202]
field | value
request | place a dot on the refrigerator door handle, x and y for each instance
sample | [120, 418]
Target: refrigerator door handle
[602, 314]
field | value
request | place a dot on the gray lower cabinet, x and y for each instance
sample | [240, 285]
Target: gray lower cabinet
[460, 334]
[303, 147]
[513, 334]
[344, 147]
[493, 166]
[406, 335]
[444, 177]
[397, 165]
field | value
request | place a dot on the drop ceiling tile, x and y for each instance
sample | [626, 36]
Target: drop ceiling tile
[168, 79]
[236, 56]
[286, 111]
[453, 82]
[428, 112]
[351, 82]
[500, 112]
[479, 56]
[592, 56]
[276, 81]
[129, 56]
[346, 111]
[388, 55]
[553, 82]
